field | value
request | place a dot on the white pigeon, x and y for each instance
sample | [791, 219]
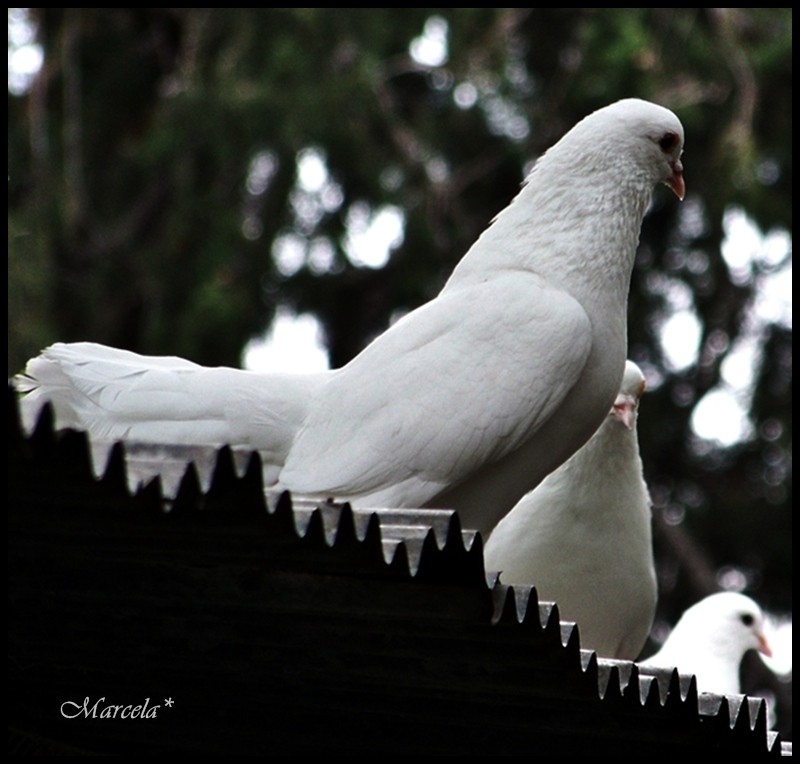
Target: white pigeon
[583, 536]
[710, 640]
[466, 402]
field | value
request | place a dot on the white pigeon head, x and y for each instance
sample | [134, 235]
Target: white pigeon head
[626, 404]
[711, 638]
[634, 140]
[731, 623]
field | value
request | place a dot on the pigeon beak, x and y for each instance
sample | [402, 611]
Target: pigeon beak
[624, 409]
[763, 646]
[676, 181]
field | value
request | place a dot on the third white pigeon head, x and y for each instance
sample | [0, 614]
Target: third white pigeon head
[710, 640]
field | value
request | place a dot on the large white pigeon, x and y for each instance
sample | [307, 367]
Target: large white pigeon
[466, 402]
[583, 536]
[710, 640]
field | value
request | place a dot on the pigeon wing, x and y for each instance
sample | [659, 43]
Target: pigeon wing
[421, 408]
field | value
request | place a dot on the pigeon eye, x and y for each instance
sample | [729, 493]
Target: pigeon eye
[747, 619]
[669, 142]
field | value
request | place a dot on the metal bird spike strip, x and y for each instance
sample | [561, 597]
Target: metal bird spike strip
[434, 630]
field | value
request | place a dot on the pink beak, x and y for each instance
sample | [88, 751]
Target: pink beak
[676, 182]
[763, 646]
[624, 409]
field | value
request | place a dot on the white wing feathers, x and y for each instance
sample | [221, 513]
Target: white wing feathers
[117, 395]
[364, 431]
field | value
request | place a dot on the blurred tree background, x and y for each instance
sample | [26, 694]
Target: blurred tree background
[176, 176]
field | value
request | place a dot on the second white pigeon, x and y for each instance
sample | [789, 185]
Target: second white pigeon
[583, 538]
[466, 402]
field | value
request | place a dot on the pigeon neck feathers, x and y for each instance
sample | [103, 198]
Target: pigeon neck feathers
[577, 219]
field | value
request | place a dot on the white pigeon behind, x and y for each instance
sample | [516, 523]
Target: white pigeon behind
[466, 402]
[583, 537]
[710, 640]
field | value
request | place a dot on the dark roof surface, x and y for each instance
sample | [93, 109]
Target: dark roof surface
[308, 628]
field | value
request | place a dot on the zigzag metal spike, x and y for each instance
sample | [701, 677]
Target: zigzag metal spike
[281, 519]
[329, 515]
[364, 520]
[115, 472]
[530, 608]
[425, 556]
[452, 561]
[359, 540]
[223, 475]
[691, 698]
[609, 681]
[570, 636]
[518, 605]
[372, 536]
[455, 543]
[346, 535]
[571, 639]
[758, 714]
[399, 564]
[675, 690]
[101, 452]
[315, 531]
[235, 469]
[605, 674]
[743, 712]
[589, 661]
[649, 694]
[632, 692]
[721, 714]
[550, 618]
[504, 605]
[254, 472]
[745, 719]
[742, 718]
[565, 634]
[589, 667]
[188, 495]
[150, 496]
[682, 695]
[628, 678]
